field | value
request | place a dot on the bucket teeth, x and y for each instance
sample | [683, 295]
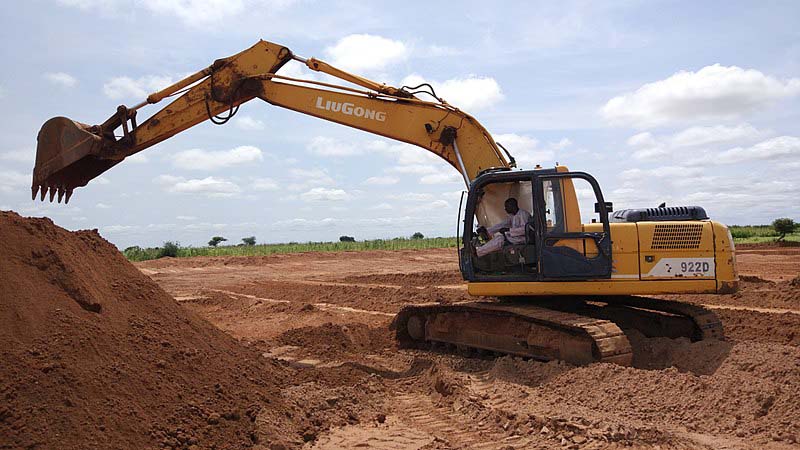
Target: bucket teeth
[62, 192]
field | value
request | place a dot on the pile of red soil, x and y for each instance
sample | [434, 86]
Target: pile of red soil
[93, 354]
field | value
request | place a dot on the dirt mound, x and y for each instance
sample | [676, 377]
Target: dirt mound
[96, 355]
[526, 371]
[751, 394]
[433, 278]
[700, 358]
[333, 341]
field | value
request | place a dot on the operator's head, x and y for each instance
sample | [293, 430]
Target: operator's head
[511, 206]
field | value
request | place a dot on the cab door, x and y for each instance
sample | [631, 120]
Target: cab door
[566, 251]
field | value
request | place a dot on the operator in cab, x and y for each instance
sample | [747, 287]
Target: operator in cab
[512, 229]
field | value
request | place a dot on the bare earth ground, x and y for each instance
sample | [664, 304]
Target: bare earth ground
[327, 315]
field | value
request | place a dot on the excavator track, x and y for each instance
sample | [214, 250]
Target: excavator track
[704, 323]
[579, 330]
[515, 328]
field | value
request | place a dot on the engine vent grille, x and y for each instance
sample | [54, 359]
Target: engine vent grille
[674, 236]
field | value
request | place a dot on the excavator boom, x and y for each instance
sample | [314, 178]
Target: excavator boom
[69, 154]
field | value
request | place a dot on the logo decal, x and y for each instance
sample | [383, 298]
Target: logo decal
[350, 109]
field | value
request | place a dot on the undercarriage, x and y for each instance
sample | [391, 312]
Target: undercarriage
[576, 330]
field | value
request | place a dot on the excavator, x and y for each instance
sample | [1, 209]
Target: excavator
[563, 289]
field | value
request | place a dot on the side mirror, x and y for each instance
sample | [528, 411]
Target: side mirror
[609, 207]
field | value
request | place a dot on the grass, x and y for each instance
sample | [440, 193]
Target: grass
[144, 254]
[755, 234]
[748, 234]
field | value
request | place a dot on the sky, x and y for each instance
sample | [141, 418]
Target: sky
[683, 102]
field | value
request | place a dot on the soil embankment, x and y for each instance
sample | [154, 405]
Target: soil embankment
[94, 354]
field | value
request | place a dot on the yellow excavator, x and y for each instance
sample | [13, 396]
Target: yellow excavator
[560, 289]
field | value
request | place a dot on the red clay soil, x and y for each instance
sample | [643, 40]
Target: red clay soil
[93, 354]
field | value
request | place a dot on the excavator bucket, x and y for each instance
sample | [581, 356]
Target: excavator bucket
[66, 157]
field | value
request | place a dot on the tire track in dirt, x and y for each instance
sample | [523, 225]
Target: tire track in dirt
[421, 412]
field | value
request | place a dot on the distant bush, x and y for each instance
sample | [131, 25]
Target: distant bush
[169, 249]
[347, 239]
[417, 235]
[216, 241]
[741, 233]
[134, 253]
[251, 240]
[783, 226]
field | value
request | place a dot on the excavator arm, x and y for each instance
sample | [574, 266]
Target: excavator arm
[69, 154]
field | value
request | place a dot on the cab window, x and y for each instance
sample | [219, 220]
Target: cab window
[553, 209]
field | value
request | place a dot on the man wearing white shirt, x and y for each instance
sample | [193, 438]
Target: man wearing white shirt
[511, 229]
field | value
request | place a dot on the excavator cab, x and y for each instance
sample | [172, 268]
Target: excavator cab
[555, 246]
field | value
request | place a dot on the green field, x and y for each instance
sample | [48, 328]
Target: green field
[748, 234]
[753, 234]
[144, 254]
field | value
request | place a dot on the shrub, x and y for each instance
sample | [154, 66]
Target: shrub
[783, 226]
[169, 249]
[216, 240]
[741, 233]
[250, 240]
[347, 239]
[417, 235]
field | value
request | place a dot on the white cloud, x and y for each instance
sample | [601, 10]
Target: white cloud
[210, 186]
[414, 169]
[326, 146]
[672, 172]
[689, 142]
[411, 196]
[404, 154]
[305, 224]
[139, 158]
[713, 92]
[780, 147]
[2, 91]
[118, 229]
[12, 181]
[101, 180]
[102, 206]
[382, 207]
[435, 205]
[696, 136]
[527, 151]
[364, 52]
[381, 181]
[685, 143]
[308, 178]
[186, 218]
[438, 51]
[264, 184]
[193, 13]
[196, 12]
[321, 194]
[61, 78]
[22, 155]
[136, 89]
[197, 159]
[442, 178]
[469, 94]
[248, 123]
